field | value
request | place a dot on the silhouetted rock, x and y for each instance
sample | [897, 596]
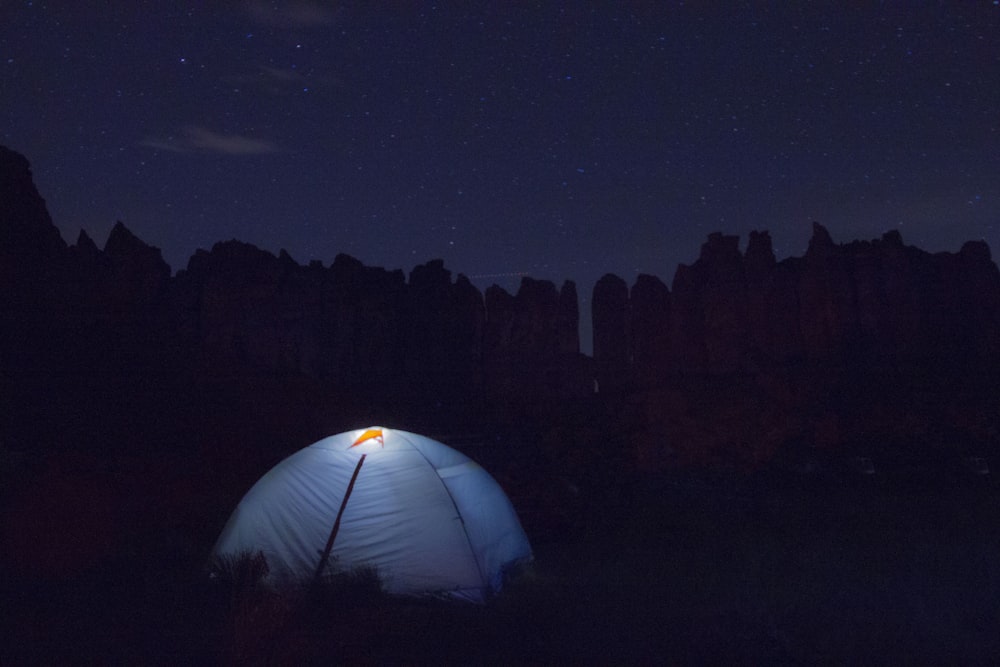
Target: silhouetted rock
[709, 301]
[536, 314]
[609, 313]
[828, 315]
[567, 324]
[26, 230]
[531, 344]
[136, 275]
[444, 335]
[87, 252]
[973, 282]
[649, 329]
[747, 353]
[366, 336]
[32, 253]
[742, 356]
[733, 313]
[245, 303]
[772, 305]
[498, 346]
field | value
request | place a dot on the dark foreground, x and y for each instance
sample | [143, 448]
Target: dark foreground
[687, 570]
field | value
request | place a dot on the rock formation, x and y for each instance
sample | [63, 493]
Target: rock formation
[869, 341]
[32, 253]
[730, 312]
[837, 347]
[611, 329]
[429, 345]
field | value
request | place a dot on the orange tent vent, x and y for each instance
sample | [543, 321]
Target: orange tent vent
[370, 434]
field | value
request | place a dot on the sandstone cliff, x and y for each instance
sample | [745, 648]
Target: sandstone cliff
[852, 345]
[857, 344]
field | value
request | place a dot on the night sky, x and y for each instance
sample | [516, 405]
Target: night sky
[564, 143]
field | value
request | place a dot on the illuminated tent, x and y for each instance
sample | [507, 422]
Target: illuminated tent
[428, 518]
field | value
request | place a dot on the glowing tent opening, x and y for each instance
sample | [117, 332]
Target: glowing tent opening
[371, 434]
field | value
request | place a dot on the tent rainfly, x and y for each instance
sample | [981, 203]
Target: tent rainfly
[428, 518]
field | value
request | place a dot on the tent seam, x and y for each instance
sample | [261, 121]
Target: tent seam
[458, 512]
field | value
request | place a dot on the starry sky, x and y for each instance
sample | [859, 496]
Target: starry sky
[559, 140]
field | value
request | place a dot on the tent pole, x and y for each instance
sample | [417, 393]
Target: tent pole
[336, 524]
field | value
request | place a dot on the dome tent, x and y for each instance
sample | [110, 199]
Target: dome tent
[427, 517]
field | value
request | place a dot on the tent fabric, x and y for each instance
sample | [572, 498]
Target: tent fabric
[427, 517]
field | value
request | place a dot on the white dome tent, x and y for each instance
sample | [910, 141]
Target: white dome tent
[427, 517]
